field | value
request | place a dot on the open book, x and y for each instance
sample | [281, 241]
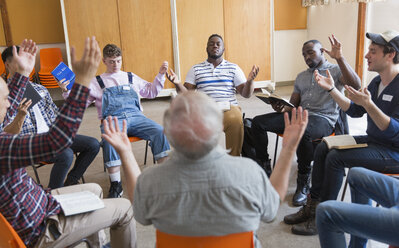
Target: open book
[270, 98]
[345, 141]
[79, 202]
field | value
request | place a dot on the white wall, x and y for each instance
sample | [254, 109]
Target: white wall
[381, 17]
[287, 59]
[337, 19]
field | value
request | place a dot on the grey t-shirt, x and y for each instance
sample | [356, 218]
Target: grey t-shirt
[315, 99]
[216, 195]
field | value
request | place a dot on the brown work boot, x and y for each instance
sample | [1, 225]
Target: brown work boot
[309, 227]
[303, 214]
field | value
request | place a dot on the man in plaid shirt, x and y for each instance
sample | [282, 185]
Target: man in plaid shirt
[38, 120]
[34, 213]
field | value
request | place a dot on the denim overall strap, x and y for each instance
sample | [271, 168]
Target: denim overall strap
[120, 101]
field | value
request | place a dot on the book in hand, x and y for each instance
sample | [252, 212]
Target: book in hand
[31, 94]
[271, 98]
[79, 202]
[345, 141]
[62, 71]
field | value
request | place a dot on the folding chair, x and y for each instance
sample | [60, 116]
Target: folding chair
[236, 240]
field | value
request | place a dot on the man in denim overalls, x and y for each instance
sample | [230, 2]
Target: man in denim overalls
[117, 93]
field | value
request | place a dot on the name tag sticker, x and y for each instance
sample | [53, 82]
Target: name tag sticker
[126, 87]
[387, 98]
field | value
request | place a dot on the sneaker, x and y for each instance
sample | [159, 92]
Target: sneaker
[115, 191]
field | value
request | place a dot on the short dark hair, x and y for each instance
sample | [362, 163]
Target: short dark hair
[111, 50]
[390, 49]
[215, 35]
[312, 41]
[7, 53]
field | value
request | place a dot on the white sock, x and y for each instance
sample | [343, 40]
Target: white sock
[115, 176]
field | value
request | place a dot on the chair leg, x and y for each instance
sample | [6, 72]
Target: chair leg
[146, 151]
[36, 174]
[275, 150]
[344, 190]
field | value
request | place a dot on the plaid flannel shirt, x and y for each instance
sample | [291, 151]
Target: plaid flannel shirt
[46, 106]
[24, 204]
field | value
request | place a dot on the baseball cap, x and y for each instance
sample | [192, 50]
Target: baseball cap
[388, 38]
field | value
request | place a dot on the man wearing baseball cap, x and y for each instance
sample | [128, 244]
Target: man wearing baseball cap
[380, 100]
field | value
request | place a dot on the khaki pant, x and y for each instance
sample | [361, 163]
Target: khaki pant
[117, 214]
[234, 130]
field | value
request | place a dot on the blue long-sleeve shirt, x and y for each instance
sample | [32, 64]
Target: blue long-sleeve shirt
[387, 102]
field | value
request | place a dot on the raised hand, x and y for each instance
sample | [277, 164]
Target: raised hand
[295, 127]
[23, 106]
[24, 60]
[118, 139]
[172, 77]
[63, 83]
[86, 68]
[164, 67]
[336, 48]
[361, 97]
[254, 72]
[326, 83]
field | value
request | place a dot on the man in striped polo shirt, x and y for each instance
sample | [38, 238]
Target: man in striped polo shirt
[221, 79]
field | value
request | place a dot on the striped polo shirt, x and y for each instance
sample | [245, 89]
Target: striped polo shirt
[218, 82]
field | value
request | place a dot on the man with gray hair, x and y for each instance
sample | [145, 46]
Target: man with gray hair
[201, 190]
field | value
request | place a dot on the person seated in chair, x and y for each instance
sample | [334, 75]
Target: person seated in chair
[33, 212]
[221, 80]
[323, 111]
[117, 93]
[38, 120]
[359, 218]
[207, 191]
[380, 100]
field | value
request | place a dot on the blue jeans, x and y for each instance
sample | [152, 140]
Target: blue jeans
[329, 166]
[359, 219]
[317, 128]
[139, 126]
[87, 147]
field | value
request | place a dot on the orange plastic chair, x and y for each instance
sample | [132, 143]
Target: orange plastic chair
[235, 240]
[8, 237]
[133, 139]
[2, 67]
[49, 59]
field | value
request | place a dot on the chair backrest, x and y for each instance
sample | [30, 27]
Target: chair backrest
[2, 67]
[8, 237]
[49, 59]
[235, 240]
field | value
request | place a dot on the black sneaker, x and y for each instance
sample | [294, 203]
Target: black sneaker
[115, 191]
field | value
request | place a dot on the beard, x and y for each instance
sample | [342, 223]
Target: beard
[216, 56]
